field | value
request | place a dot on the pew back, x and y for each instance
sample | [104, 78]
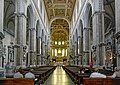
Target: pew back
[101, 81]
[16, 81]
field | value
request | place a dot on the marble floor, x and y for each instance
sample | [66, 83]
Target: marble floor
[59, 77]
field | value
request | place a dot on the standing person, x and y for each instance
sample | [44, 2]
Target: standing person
[91, 64]
[95, 74]
[30, 74]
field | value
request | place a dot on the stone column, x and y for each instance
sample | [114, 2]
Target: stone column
[1, 29]
[73, 53]
[38, 51]
[98, 31]
[32, 52]
[118, 48]
[76, 52]
[20, 31]
[45, 49]
[76, 47]
[117, 10]
[80, 46]
[42, 52]
[86, 45]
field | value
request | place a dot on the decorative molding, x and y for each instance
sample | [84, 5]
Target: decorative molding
[87, 28]
[98, 12]
[2, 35]
[31, 29]
[20, 14]
[31, 51]
[16, 46]
[101, 44]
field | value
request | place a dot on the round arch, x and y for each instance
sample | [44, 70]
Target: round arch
[60, 18]
[88, 14]
[30, 15]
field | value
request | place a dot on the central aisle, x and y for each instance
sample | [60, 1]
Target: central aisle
[59, 77]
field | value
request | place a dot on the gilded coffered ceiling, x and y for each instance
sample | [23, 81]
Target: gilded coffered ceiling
[59, 8]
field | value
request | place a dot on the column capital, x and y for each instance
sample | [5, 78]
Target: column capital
[39, 37]
[19, 46]
[87, 28]
[31, 51]
[98, 12]
[20, 14]
[101, 44]
[79, 37]
[31, 29]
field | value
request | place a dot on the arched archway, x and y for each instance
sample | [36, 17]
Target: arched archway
[9, 29]
[109, 34]
[59, 32]
[30, 59]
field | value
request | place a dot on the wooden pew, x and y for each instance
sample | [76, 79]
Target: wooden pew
[101, 81]
[72, 72]
[41, 73]
[77, 78]
[16, 81]
[92, 81]
[106, 72]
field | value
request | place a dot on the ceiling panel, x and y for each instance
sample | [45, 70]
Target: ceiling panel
[59, 8]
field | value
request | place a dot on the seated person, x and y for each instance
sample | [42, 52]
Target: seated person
[116, 73]
[30, 74]
[87, 71]
[82, 70]
[95, 74]
[17, 75]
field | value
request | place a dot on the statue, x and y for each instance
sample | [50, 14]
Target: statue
[11, 52]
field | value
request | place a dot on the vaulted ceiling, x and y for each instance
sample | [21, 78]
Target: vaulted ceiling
[109, 6]
[59, 8]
